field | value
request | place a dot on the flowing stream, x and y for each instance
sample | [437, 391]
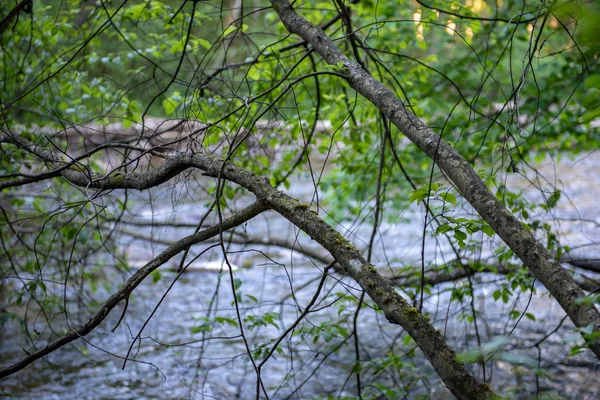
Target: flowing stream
[178, 357]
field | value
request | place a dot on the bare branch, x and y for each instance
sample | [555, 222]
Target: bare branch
[396, 309]
[133, 282]
[524, 244]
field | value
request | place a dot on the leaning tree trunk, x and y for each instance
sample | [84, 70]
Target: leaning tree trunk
[396, 309]
[521, 241]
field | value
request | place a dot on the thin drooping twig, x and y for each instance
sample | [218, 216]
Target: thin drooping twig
[522, 242]
[396, 309]
[133, 282]
[300, 317]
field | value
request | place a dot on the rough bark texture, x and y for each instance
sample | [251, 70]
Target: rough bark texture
[464, 386]
[396, 309]
[522, 242]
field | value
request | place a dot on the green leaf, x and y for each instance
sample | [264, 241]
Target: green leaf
[229, 30]
[518, 359]
[593, 81]
[449, 198]
[37, 204]
[16, 202]
[553, 199]
[136, 11]
[254, 299]
[228, 321]
[237, 283]
[205, 327]
[530, 316]
[205, 43]
[497, 294]
[169, 106]
[440, 230]
[156, 275]
[65, 89]
[590, 115]
[177, 47]
[460, 235]
[576, 350]
[419, 195]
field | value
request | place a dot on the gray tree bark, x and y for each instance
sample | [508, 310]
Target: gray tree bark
[522, 242]
[396, 309]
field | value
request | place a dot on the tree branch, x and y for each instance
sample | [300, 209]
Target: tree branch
[433, 276]
[523, 243]
[24, 5]
[396, 309]
[133, 282]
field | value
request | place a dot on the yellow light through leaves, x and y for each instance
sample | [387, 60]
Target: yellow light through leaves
[469, 33]
[420, 31]
[450, 27]
[475, 5]
[417, 17]
[478, 5]
[417, 20]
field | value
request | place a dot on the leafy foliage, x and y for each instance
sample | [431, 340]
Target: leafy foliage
[506, 83]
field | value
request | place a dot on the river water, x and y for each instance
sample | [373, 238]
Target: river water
[179, 358]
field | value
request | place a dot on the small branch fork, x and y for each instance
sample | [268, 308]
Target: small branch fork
[396, 309]
[133, 282]
[544, 267]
